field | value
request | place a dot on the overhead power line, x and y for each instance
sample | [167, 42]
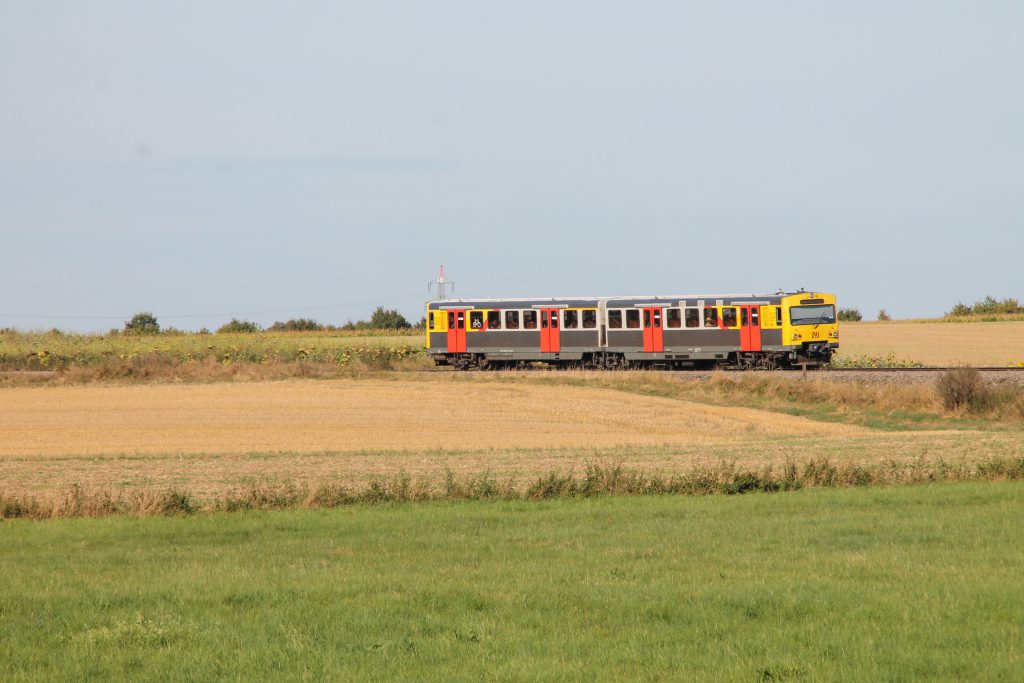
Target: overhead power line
[279, 311]
[189, 288]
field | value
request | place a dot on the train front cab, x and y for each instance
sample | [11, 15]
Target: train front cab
[810, 331]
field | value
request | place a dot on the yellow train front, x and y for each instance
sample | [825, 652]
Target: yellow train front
[757, 331]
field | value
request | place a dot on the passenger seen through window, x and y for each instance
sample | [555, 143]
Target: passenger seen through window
[529, 320]
[511, 320]
[710, 317]
[729, 317]
[494, 320]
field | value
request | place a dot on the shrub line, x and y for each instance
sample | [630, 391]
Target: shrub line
[596, 480]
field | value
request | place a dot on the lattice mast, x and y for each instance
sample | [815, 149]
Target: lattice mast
[441, 284]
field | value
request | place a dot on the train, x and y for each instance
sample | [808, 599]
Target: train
[698, 331]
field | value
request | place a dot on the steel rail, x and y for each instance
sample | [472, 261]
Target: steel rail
[1008, 368]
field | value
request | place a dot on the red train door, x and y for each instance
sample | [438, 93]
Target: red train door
[550, 337]
[456, 331]
[653, 331]
[750, 328]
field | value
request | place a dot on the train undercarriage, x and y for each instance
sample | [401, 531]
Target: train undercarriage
[809, 356]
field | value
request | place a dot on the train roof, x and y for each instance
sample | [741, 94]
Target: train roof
[583, 301]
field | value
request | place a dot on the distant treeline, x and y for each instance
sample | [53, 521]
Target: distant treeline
[381, 319]
[987, 306]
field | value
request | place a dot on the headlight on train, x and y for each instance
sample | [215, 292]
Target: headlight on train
[796, 336]
[834, 334]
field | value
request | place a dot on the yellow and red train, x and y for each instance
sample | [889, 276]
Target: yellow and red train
[784, 329]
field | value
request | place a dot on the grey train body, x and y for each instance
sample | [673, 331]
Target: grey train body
[620, 332]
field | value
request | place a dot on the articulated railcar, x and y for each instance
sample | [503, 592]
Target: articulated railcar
[766, 331]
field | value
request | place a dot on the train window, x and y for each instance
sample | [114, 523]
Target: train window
[729, 317]
[494, 320]
[693, 317]
[430, 319]
[812, 315]
[647, 318]
[614, 319]
[529, 320]
[710, 317]
[589, 319]
[633, 319]
[743, 317]
[570, 320]
[673, 318]
[755, 316]
[778, 316]
[476, 320]
[451, 320]
[511, 320]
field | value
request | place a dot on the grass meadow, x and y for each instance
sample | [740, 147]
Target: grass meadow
[856, 585]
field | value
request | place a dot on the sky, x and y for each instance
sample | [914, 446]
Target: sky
[268, 160]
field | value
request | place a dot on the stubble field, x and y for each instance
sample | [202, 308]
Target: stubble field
[212, 439]
[981, 344]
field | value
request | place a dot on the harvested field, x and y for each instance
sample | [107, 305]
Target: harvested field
[211, 438]
[430, 412]
[940, 344]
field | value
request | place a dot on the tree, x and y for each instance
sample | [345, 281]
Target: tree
[297, 325]
[850, 315]
[389, 319]
[883, 315]
[142, 323]
[241, 326]
[959, 310]
[987, 306]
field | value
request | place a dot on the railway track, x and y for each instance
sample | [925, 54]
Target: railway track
[787, 371]
[927, 369]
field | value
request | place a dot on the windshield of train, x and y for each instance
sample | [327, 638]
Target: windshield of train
[812, 315]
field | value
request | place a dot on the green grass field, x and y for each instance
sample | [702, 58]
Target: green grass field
[864, 584]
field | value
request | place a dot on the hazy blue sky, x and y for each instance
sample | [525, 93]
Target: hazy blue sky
[267, 159]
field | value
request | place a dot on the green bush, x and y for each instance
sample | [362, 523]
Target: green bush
[884, 316]
[388, 319]
[987, 306]
[142, 323]
[958, 311]
[850, 315]
[238, 326]
[296, 325]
